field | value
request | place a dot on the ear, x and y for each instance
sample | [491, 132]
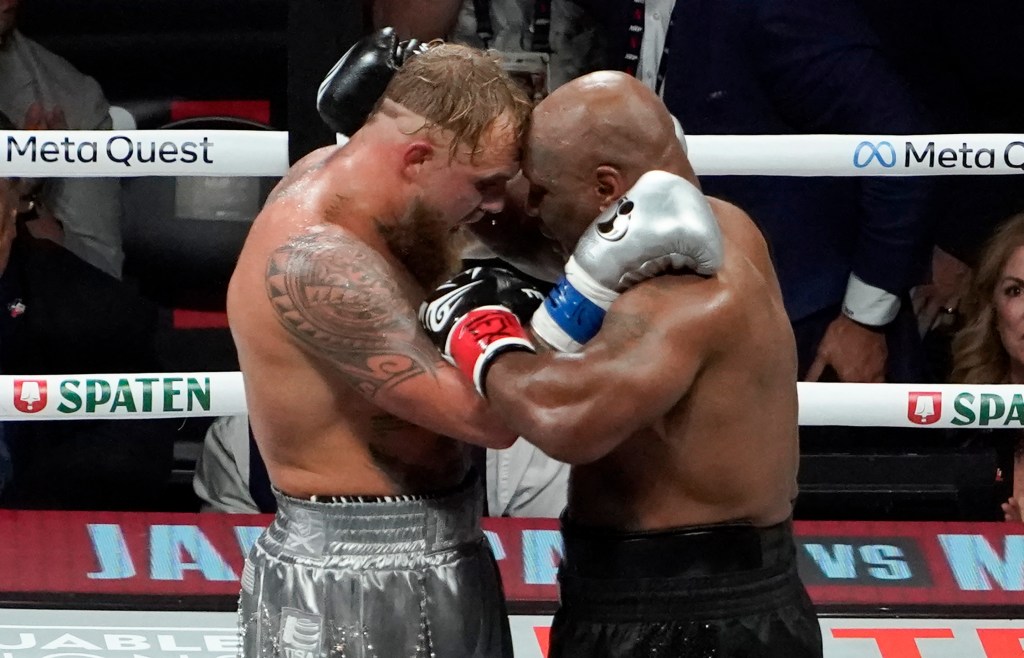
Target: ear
[609, 185]
[416, 154]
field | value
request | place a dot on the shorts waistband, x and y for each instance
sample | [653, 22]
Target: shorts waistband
[693, 551]
[703, 572]
[379, 525]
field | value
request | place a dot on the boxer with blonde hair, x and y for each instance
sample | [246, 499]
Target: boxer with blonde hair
[376, 547]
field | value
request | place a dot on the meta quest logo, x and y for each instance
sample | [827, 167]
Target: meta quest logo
[910, 155]
[984, 409]
[884, 153]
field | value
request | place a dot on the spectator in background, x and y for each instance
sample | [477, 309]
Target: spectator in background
[848, 250]
[966, 90]
[230, 476]
[989, 349]
[64, 315]
[9, 201]
[41, 91]
[527, 32]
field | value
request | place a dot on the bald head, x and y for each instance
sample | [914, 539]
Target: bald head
[589, 142]
[608, 118]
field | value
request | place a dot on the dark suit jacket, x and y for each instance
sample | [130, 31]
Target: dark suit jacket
[77, 319]
[788, 67]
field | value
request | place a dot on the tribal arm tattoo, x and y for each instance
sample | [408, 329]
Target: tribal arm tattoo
[340, 300]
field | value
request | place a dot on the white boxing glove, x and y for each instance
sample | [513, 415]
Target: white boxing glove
[663, 223]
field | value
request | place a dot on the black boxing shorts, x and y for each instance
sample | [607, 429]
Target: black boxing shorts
[367, 577]
[709, 591]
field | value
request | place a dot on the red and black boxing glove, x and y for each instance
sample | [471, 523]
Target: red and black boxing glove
[478, 315]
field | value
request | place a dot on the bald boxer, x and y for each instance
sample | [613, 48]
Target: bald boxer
[376, 548]
[678, 410]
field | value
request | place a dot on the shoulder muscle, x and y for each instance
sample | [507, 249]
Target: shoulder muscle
[340, 300]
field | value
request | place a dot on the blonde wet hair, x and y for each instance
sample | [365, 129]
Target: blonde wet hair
[461, 90]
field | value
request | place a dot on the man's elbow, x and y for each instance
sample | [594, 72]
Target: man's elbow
[489, 432]
[568, 438]
[499, 440]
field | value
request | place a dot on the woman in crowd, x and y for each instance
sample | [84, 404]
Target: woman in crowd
[989, 349]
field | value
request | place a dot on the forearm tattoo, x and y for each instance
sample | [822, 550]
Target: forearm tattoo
[338, 298]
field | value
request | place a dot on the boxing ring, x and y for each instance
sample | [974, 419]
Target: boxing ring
[106, 584]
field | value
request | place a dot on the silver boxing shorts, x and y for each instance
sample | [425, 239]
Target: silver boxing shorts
[358, 577]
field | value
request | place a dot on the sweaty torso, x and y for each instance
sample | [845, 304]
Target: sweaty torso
[728, 450]
[308, 303]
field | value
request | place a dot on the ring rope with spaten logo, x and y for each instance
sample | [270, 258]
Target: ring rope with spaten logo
[69, 153]
[187, 394]
[94, 153]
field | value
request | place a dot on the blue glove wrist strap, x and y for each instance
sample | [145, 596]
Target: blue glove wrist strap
[579, 317]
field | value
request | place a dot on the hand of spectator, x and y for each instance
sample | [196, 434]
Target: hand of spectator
[35, 117]
[55, 119]
[45, 226]
[9, 199]
[856, 353]
[1013, 510]
[38, 118]
[935, 303]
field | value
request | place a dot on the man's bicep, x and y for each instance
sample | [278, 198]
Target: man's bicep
[341, 302]
[646, 352]
[579, 407]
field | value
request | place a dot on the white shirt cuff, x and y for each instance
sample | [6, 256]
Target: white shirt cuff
[869, 305]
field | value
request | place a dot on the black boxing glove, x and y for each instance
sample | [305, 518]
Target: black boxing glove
[479, 314]
[355, 83]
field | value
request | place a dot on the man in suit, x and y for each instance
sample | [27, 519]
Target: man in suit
[847, 250]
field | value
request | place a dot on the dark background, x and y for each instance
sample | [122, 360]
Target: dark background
[163, 50]
[961, 57]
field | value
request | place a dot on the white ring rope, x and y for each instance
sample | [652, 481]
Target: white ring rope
[68, 153]
[149, 395]
[92, 153]
[129, 153]
[178, 395]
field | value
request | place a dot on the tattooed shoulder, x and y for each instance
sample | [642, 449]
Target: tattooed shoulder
[339, 299]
